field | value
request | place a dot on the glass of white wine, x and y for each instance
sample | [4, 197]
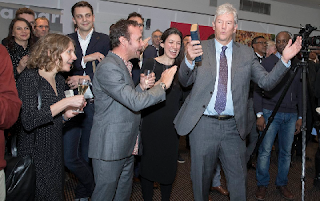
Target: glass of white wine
[83, 85]
[147, 73]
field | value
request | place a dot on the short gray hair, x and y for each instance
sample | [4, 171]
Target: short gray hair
[227, 8]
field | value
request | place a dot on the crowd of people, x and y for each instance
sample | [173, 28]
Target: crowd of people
[141, 98]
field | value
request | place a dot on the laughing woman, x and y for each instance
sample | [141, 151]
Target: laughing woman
[159, 139]
[20, 39]
[40, 133]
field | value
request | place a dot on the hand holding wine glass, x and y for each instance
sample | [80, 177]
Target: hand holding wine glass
[147, 79]
[83, 85]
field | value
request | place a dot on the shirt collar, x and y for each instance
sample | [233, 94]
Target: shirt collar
[219, 46]
[125, 62]
[87, 37]
[278, 55]
[259, 55]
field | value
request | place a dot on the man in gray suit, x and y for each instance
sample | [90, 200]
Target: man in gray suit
[114, 135]
[215, 112]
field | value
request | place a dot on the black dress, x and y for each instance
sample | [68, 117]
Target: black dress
[16, 54]
[41, 134]
[159, 138]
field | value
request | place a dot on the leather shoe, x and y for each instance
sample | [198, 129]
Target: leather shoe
[285, 192]
[220, 189]
[261, 192]
[136, 179]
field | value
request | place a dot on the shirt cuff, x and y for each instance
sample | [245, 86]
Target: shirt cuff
[83, 64]
[259, 113]
[191, 66]
[300, 117]
[286, 64]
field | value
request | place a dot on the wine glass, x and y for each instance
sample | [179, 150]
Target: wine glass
[83, 85]
[147, 73]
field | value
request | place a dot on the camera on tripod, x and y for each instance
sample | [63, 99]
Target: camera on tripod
[306, 40]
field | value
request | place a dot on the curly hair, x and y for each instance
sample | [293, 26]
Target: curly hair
[10, 37]
[46, 52]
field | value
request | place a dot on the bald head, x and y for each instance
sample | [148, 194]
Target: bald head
[282, 40]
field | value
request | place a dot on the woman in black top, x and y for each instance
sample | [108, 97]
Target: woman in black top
[159, 138]
[19, 41]
[41, 125]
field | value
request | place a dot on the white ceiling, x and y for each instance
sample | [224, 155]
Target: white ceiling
[305, 3]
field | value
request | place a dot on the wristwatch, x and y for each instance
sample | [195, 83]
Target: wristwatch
[163, 85]
[259, 115]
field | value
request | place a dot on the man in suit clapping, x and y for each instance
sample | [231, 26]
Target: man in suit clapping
[115, 132]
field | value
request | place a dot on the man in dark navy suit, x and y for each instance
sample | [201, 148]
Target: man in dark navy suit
[91, 48]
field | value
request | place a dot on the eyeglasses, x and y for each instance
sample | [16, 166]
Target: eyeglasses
[141, 25]
[264, 43]
[41, 27]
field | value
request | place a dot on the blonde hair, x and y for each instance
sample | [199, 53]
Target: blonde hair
[226, 8]
[46, 52]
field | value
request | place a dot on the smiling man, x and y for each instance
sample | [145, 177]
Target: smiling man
[114, 137]
[91, 48]
[215, 112]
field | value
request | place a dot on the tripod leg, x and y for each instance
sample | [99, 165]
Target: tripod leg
[316, 181]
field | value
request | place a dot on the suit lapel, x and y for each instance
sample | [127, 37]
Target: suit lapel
[74, 36]
[236, 58]
[212, 58]
[122, 66]
[93, 41]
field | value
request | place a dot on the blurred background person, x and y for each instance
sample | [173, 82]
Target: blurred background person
[271, 48]
[159, 138]
[152, 51]
[40, 133]
[28, 14]
[19, 42]
[259, 45]
[41, 27]
[25, 13]
[136, 62]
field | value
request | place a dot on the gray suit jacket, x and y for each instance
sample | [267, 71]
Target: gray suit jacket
[117, 104]
[245, 67]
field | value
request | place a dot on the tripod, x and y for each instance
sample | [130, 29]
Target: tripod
[303, 64]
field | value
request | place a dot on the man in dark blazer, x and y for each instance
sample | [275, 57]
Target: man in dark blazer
[115, 132]
[215, 112]
[91, 48]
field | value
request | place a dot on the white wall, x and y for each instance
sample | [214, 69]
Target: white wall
[283, 16]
